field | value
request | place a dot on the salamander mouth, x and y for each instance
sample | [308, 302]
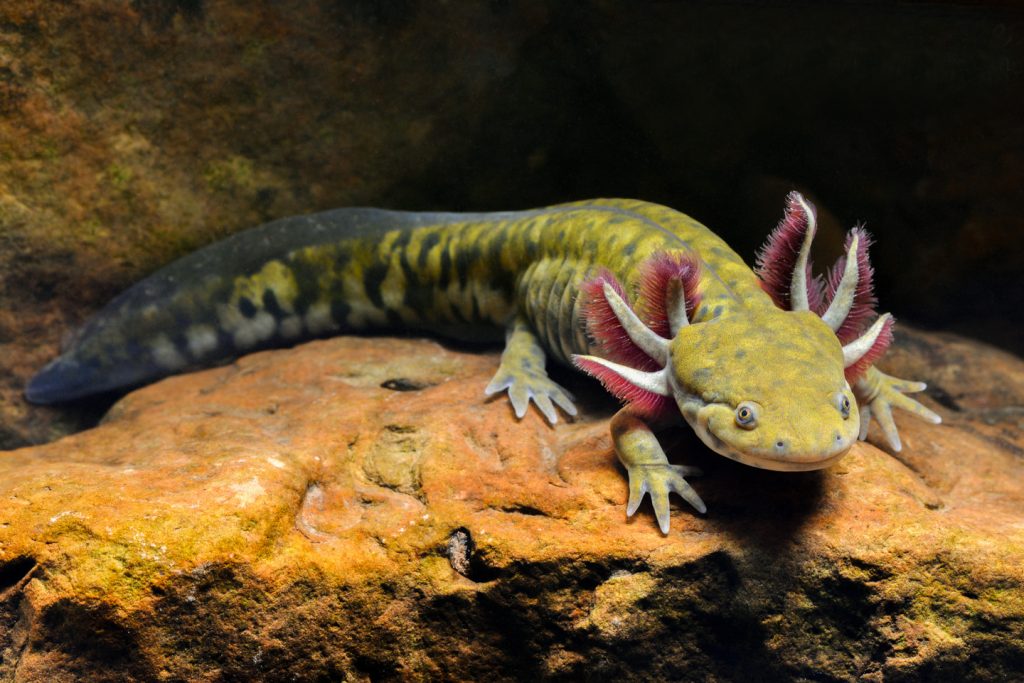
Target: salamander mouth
[785, 465]
[778, 463]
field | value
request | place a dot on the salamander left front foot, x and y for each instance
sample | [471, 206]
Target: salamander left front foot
[522, 374]
[878, 393]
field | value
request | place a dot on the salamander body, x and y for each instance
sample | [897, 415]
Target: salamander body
[769, 367]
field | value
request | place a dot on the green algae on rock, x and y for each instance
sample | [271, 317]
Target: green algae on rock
[268, 519]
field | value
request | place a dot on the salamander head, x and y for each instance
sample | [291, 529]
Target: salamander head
[765, 387]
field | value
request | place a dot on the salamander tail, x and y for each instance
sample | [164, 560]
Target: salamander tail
[63, 380]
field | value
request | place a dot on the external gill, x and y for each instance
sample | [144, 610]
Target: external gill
[785, 270]
[637, 343]
[648, 393]
[785, 258]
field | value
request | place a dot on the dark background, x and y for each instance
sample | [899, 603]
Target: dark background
[134, 132]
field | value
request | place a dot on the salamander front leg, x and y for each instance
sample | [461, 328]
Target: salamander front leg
[878, 393]
[522, 373]
[649, 469]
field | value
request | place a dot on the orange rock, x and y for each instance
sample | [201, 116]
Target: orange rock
[354, 508]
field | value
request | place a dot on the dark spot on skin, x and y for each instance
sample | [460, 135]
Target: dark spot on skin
[741, 354]
[301, 304]
[402, 241]
[496, 273]
[702, 374]
[716, 311]
[180, 342]
[340, 311]
[271, 304]
[457, 314]
[412, 278]
[372, 282]
[307, 283]
[309, 277]
[225, 341]
[531, 248]
[476, 307]
[464, 261]
[419, 299]
[629, 249]
[428, 242]
[182, 320]
[446, 267]
[247, 307]
[417, 295]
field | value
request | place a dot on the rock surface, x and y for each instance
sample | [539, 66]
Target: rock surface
[353, 509]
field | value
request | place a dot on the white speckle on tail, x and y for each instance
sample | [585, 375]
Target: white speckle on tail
[202, 339]
[318, 318]
[254, 330]
[167, 355]
[291, 327]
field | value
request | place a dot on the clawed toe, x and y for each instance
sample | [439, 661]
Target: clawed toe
[524, 387]
[878, 394]
[659, 481]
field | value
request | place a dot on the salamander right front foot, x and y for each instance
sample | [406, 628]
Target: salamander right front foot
[659, 481]
[649, 470]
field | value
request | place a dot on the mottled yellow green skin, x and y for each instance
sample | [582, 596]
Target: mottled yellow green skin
[478, 276]
[472, 276]
[460, 275]
[788, 366]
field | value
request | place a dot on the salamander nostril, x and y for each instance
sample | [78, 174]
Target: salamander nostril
[780, 446]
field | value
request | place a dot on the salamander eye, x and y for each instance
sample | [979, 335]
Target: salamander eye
[843, 404]
[746, 415]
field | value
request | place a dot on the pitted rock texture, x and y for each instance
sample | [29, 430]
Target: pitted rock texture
[355, 509]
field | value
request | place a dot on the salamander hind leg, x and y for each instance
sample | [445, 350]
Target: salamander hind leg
[649, 469]
[522, 374]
